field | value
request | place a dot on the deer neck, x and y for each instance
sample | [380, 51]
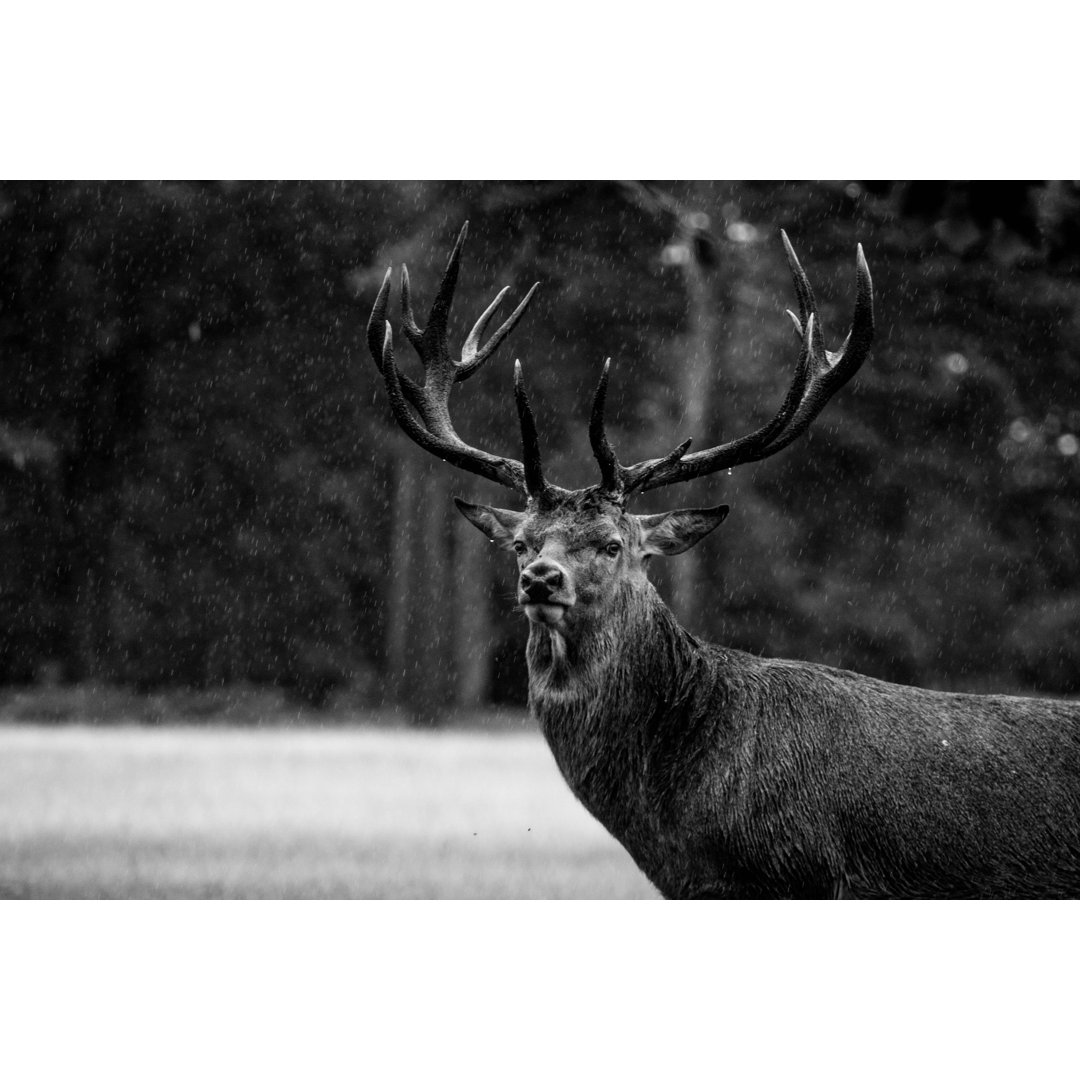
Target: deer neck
[608, 700]
[635, 651]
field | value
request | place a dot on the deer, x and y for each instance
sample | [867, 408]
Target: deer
[724, 774]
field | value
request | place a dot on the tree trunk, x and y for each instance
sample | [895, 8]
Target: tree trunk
[706, 346]
[85, 568]
[473, 643]
[433, 598]
[109, 413]
[400, 578]
[420, 593]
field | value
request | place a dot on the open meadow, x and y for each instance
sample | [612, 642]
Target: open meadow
[302, 813]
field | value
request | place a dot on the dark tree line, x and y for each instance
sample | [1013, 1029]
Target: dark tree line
[201, 483]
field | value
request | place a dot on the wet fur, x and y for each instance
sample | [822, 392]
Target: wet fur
[727, 775]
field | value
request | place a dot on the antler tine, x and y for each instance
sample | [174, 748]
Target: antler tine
[376, 326]
[635, 480]
[861, 335]
[430, 342]
[472, 354]
[408, 320]
[430, 425]
[440, 306]
[535, 484]
[610, 475]
[802, 283]
[818, 375]
[376, 334]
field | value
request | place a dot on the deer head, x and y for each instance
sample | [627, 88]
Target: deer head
[579, 551]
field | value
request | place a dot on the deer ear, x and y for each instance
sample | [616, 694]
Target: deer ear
[499, 526]
[678, 530]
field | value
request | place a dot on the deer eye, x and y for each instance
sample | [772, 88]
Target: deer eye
[520, 548]
[613, 548]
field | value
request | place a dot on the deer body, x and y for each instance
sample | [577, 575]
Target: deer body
[727, 775]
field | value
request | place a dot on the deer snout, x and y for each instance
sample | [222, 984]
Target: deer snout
[545, 591]
[540, 581]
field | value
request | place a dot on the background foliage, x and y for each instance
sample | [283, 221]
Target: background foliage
[202, 486]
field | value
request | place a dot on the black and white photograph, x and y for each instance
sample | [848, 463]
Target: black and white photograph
[347, 549]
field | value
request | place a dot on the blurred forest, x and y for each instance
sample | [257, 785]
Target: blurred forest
[202, 484]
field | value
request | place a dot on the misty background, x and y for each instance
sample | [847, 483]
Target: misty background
[204, 493]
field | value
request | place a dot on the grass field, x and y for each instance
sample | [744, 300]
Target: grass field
[199, 812]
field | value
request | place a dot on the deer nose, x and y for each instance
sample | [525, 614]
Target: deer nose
[540, 579]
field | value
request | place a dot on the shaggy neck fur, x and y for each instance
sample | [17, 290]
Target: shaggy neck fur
[623, 702]
[728, 775]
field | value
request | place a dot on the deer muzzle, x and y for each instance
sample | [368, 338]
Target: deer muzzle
[544, 592]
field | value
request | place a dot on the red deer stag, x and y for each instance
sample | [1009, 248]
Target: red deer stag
[727, 775]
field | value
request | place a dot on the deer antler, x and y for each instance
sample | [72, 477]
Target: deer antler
[430, 427]
[818, 375]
